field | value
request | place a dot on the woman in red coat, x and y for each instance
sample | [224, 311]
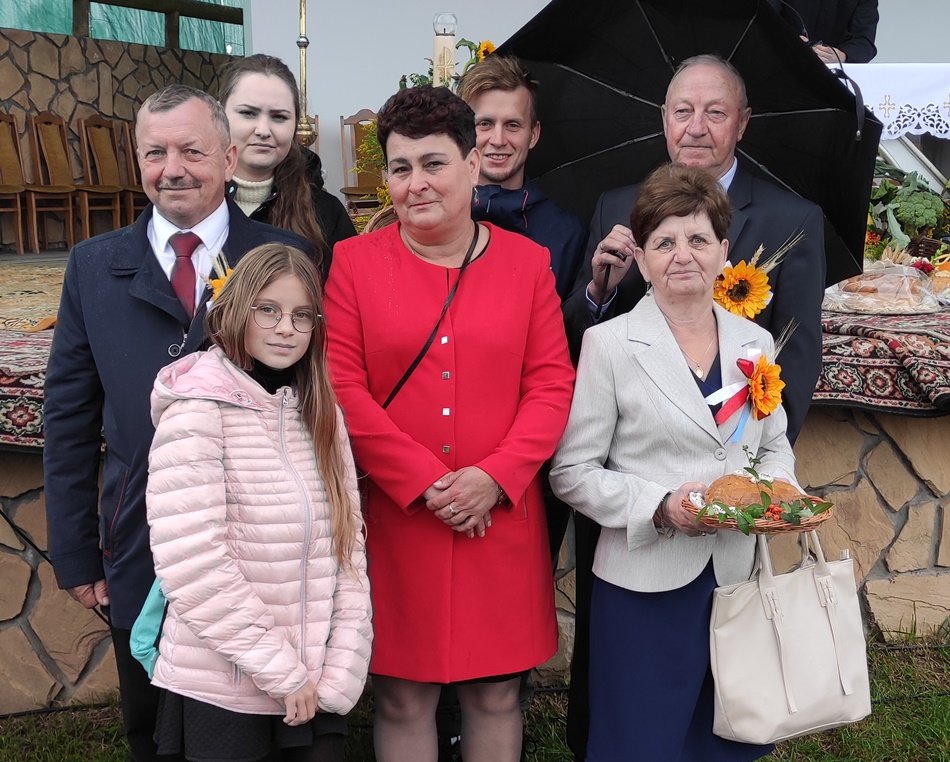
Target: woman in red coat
[457, 543]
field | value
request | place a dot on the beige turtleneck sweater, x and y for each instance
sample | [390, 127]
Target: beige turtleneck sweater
[250, 195]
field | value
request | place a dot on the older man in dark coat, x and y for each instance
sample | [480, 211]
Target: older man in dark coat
[705, 116]
[134, 300]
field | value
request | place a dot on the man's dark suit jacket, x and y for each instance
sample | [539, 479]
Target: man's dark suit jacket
[764, 214]
[118, 319]
[849, 25]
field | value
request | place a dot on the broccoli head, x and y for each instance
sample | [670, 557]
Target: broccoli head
[918, 209]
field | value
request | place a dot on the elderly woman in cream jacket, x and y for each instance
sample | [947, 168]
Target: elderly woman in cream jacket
[641, 436]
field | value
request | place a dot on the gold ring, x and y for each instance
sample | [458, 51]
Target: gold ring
[452, 510]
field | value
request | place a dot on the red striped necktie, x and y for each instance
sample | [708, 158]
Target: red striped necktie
[183, 271]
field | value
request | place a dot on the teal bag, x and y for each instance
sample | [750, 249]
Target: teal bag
[147, 629]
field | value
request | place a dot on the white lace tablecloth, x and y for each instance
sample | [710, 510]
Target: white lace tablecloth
[909, 99]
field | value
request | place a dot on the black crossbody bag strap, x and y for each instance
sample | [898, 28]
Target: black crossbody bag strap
[435, 330]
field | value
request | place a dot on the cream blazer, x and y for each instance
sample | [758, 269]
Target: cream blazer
[639, 428]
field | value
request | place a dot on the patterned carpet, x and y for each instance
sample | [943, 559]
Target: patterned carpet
[23, 358]
[895, 363]
[29, 295]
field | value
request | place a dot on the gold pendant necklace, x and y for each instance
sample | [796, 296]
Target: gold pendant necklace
[698, 366]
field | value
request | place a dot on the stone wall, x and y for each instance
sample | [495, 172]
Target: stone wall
[51, 648]
[889, 477]
[76, 77]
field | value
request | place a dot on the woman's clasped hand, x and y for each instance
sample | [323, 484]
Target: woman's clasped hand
[463, 500]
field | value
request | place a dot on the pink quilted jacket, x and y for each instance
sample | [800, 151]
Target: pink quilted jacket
[241, 534]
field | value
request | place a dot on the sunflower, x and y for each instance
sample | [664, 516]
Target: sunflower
[485, 49]
[216, 284]
[743, 289]
[765, 388]
[220, 268]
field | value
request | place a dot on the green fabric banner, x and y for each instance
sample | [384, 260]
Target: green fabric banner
[108, 22]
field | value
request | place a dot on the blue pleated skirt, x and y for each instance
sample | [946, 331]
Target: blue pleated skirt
[651, 688]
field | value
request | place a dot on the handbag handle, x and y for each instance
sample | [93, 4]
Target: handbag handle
[445, 308]
[766, 572]
[826, 595]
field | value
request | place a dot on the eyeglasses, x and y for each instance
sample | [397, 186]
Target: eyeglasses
[268, 316]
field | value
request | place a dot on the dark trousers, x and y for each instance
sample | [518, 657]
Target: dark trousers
[586, 534]
[556, 512]
[139, 702]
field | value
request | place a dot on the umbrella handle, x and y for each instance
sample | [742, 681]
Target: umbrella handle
[603, 294]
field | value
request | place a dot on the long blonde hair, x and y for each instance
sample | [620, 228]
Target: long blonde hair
[226, 324]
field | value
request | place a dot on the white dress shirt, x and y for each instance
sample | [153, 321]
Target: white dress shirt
[213, 232]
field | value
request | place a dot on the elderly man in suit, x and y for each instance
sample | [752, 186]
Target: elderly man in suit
[133, 300]
[704, 118]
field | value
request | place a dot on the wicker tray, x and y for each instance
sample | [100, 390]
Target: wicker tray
[762, 526]
[923, 247]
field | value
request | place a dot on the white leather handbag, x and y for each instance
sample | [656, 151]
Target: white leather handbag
[788, 651]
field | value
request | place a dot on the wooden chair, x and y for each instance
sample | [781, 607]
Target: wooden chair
[12, 189]
[134, 198]
[51, 152]
[40, 199]
[100, 160]
[314, 122]
[358, 184]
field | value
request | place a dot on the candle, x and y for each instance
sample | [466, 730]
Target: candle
[443, 58]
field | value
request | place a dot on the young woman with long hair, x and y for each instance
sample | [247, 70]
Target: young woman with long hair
[277, 180]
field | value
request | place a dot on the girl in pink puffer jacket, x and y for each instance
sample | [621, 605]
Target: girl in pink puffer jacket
[256, 530]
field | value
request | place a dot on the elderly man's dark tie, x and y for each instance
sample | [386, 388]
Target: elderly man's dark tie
[183, 272]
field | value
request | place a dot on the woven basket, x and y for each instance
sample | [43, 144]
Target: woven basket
[762, 526]
[382, 218]
[923, 247]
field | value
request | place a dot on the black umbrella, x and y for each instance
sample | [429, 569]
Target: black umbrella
[604, 66]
